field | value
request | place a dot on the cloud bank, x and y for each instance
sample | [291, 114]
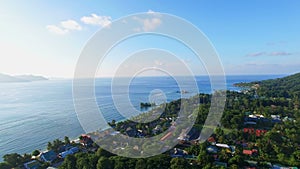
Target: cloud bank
[67, 26]
[279, 53]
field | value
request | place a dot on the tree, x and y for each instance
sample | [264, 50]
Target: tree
[13, 159]
[93, 160]
[234, 166]
[49, 146]
[179, 163]
[140, 164]
[56, 144]
[161, 161]
[69, 163]
[131, 163]
[35, 152]
[281, 157]
[26, 157]
[104, 163]
[83, 163]
[119, 162]
[103, 153]
[67, 140]
[236, 160]
[5, 166]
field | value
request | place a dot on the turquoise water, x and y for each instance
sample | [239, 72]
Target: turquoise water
[32, 114]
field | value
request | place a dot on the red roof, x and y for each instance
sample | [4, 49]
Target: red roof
[247, 152]
[249, 130]
[85, 136]
[211, 139]
[260, 132]
[257, 132]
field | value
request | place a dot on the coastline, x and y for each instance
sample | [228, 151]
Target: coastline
[36, 113]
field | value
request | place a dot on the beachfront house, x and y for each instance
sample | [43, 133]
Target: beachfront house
[34, 164]
[71, 151]
[48, 156]
[85, 140]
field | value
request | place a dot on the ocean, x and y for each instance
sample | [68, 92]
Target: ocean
[34, 113]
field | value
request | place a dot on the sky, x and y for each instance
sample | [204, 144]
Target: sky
[251, 37]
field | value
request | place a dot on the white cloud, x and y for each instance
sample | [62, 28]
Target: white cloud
[64, 27]
[151, 24]
[150, 11]
[95, 19]
[70, 25]
[57, 30]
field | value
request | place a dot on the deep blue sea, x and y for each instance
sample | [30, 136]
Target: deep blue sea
[34, 113]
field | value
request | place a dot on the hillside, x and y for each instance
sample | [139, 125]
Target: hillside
[20, 78]
[288, 87]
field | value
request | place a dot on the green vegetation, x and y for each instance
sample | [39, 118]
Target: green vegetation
[255, 131]
[286, 87]
[35, 152]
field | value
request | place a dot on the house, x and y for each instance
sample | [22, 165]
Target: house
[248, 113]
[286, 118]
[48, 156]
[249, 130]
[222, 145]
[32, 164]
[275, 118]
[277, 166]
[130, 132]
[114, 133]
[257, 132]
[253, 119]
[250, 123]
[260, 132]
[247, 152]
[248, 167]
[85, 140]
[72, 150]
[212, 149]
[178, 153]
[229, 149]
[242, 143]
[157, 129]
[141, 133]
[211, 140]
[64, 148]
[250, 152]
[251, 164]
[221, 164]
[183, 135]
[194, 134]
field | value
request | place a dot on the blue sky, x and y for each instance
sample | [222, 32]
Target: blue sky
[251, 37]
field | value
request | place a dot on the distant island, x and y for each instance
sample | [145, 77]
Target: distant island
[4, 78]
[146, 105]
